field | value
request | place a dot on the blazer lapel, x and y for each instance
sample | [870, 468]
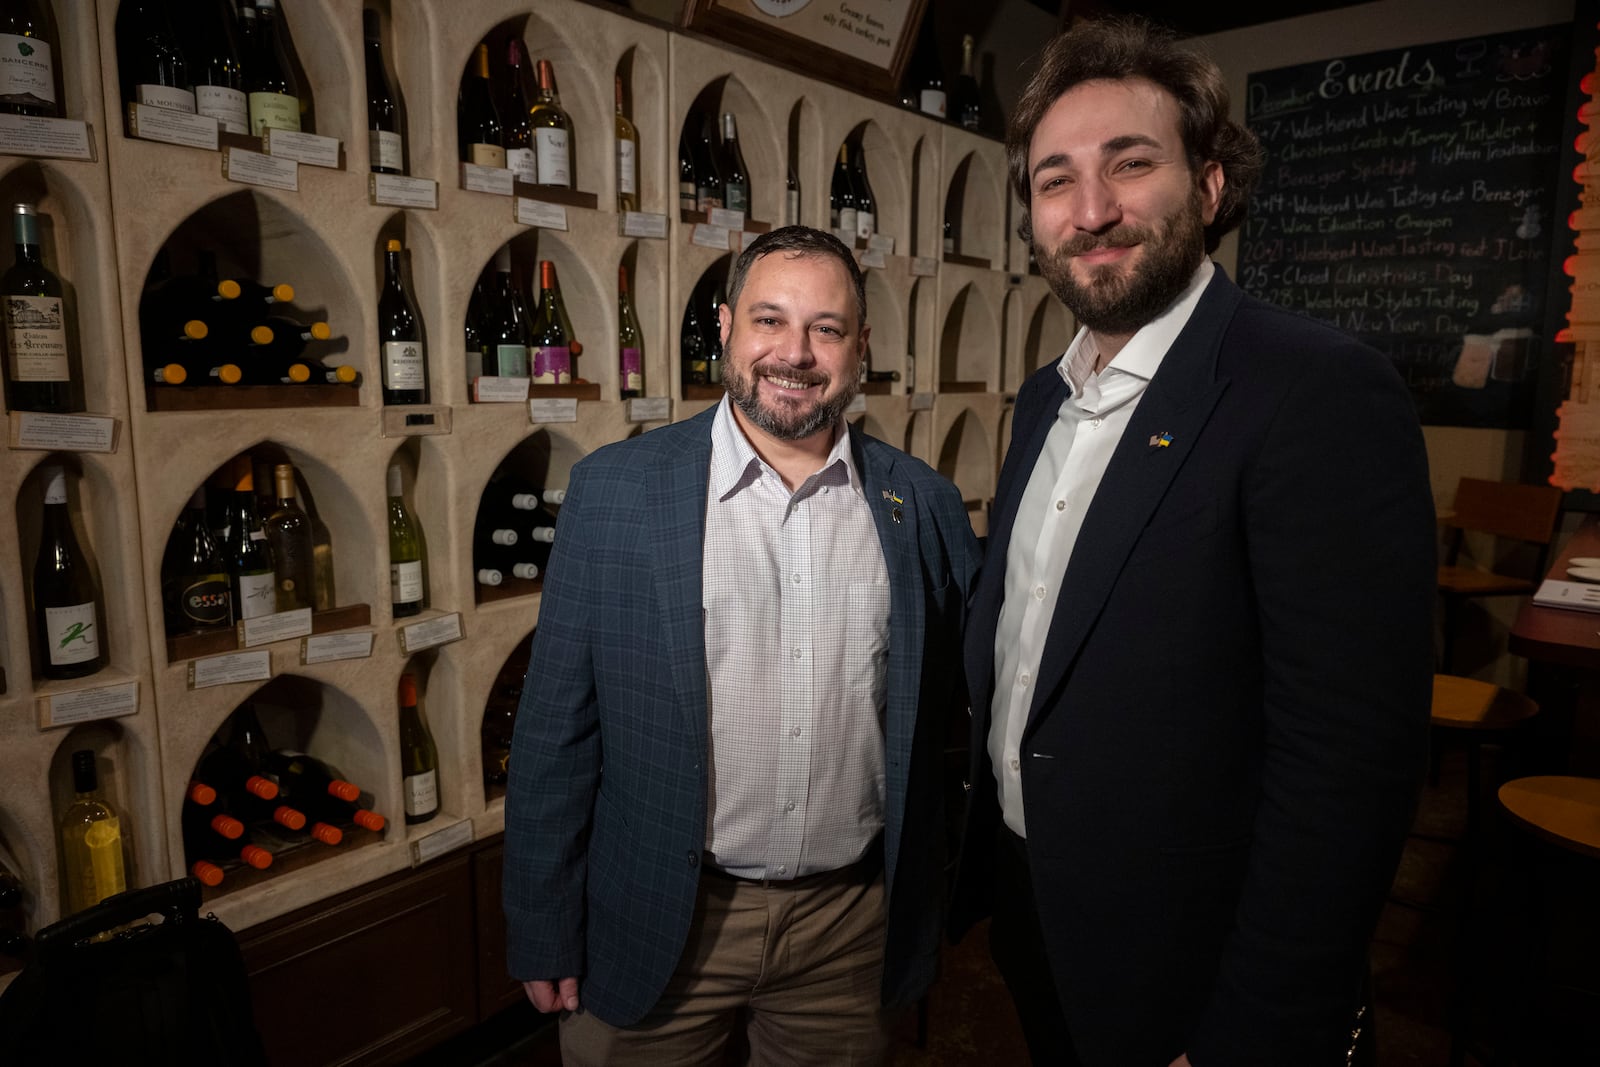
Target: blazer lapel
[677, 506]
[1174, 410]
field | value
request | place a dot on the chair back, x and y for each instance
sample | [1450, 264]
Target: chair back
[1507, 509]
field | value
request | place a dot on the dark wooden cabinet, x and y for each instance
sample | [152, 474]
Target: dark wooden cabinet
[497, 990]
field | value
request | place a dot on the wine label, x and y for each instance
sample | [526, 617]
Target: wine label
[551, 146]
[492, 389]
[71, 635]
[396, 190]
[524, 164]
[327, 648]
[55, 490]
[687, 200]
[866, 224]
[36, 337]
[644, 224]
[276, 626]
[552, 365]
[166, 97]
[229, 107]
[405, 582]
[627, 168]
[206, 600]
[736, 197]
[35, 135]
[422, 793]
[848, 221]
[631, 366]
[26, 69]
[88, 705]
[274, 110]
[387, 149]
[48, 432]
[511, 361]
[258, 595]
[474, 364]
[729, 218]
[403, 365]
[488, 155]
[540, 213]
[932, 102]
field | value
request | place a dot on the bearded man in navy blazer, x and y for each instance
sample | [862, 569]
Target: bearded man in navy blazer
[724, 807]
[1200, 648]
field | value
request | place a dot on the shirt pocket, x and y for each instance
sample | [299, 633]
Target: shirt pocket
[866, 632]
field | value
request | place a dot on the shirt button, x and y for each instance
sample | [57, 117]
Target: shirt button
[789, 806]
[1038, 592]
[796, 579]
[1015, 764]
[798, 653]
[694, 859]
[1096, 423]
[795, 732]
[783, 869]
[1061, 505]
[1024, 678]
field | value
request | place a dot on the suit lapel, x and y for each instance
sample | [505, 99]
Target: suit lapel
[677, 506]
[1175, 407]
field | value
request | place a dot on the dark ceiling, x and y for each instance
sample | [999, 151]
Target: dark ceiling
[1195, 17]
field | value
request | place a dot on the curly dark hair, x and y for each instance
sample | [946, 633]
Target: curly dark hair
[1123, 48]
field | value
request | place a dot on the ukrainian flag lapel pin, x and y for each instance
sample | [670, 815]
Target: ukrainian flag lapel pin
[1161, 440]
[894, 498]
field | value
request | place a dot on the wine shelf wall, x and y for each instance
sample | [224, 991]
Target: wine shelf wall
[962, 337]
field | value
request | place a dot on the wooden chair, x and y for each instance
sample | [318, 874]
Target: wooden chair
[1510, 510]
[1476, 713]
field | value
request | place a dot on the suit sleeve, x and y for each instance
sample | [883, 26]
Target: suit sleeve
[1341, 542]
[555, 764]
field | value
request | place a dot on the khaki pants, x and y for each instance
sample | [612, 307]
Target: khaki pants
[800, 968]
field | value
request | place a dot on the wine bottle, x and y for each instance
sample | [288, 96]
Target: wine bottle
[499, 725]
[30, 46]
[735, 173]
[842, 195]
[10, 890]
[791, 198]
[707, 167]
[627, 158]
[506, 342]
[249, 35]
[520, 154]
[386, 142]
[38, 366]
[407, 582]
[964, 103]
[714, 334]
[91, 841]
[153, 67]
[252, 573]
[288, 531]
[688, 199]
[928, 74]
[512, 561]
[401, 353]
[419, 758]
[574, 346]
[551, 132]
[866, 203]
[313, 787]
[475, 331]
[195, 591]
[551, 355]
[274, 91]
[948, 243]
[692, 345]
[216, 74]
[66, 599]
[481, 135]
[630, 341]
[216, 841]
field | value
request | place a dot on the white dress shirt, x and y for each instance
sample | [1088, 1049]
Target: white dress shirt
[796, 598]
[1065, 479]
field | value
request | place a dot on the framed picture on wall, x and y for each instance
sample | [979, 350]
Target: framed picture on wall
[860, 44]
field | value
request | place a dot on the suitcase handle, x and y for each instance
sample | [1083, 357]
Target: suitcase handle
[177, 899]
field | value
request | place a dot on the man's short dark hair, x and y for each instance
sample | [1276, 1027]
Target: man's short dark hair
[1124, 48]
[800, 241]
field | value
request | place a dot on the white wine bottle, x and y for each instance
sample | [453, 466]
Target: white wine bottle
[288, 530]
[520, 157]
[630, 341]
[627, 158]
[154, 69]
[482, 137]
[274, 91]
[252, 577]
[66, 601]
[419, 757]
[28, 41]
[735, 173]
[91, 841]
[552, 132]
[386, 142]
[407, 577]
[216, 73]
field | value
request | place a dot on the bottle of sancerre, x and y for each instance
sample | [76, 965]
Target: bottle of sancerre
[29, 42]
[274, 91]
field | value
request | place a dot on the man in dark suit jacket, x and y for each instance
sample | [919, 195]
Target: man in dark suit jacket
[680, 852]
[1200, 648]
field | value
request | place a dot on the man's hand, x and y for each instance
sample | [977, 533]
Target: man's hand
[562, 996]
[1181, 1061]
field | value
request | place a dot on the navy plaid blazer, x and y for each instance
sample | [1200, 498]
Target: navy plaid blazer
[606, 802]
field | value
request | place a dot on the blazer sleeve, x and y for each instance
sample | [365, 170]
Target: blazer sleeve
[1341, 544]
[555, 762]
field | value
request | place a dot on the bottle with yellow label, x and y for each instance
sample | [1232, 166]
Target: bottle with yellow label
[91, 841]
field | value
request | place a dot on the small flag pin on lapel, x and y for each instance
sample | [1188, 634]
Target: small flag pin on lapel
[1160, 440]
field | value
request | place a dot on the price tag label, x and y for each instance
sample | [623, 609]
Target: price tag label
[253, 168]
[921, 402]
[643, 224]
[34, 135]
[70, 433]
[279, 626]
[553, 409]
[327, 648]
[873, 257]
[439, 842]
[858, 405]
[924, 266]
[847, 236]
[747, 238]
[230, 668]
[396, 190]
[173, 127]
[308, 148]
[430, 633]
[487, 389]
[649, 409]
[539, 213]
[86, 705]
[496, 180]
[727, 218]
[707, 236]
[881, 242]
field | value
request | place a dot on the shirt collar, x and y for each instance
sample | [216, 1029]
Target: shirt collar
[735, 463]
[1142, 355]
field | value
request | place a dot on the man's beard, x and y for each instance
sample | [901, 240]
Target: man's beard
[1119, 298]
[782, 417]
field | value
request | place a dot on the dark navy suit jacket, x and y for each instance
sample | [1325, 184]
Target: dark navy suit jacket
[606, 803]
[1230, 721]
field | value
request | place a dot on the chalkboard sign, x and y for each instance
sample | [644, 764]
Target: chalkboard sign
[1409, 198]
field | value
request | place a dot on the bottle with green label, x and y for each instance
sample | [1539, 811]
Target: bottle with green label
[27, 59]
[38, 365]
[66, 600]
[274, 91]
